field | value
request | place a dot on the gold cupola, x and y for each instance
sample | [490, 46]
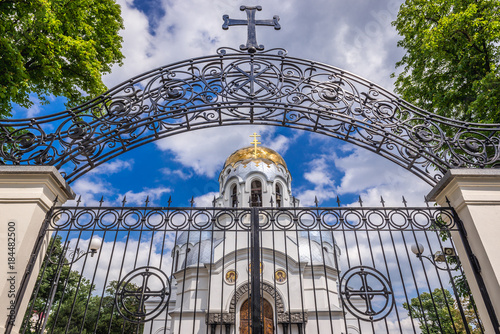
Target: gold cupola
[255, 176]
[250, 153]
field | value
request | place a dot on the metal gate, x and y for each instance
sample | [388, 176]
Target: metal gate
[307, 270]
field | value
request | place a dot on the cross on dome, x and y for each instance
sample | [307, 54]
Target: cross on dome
[255, 143]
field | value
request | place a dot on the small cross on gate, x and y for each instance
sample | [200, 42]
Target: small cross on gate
[252, 46]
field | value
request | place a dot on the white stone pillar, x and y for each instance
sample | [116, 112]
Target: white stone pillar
[26, 195]
[475, 195]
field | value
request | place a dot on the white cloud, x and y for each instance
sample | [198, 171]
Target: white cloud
[323, 182]
[355, 35]
[372, 176]
[205, 150]
[205, 200]
[182, 174]
[112, 167]
[139, 198]
[94, 186]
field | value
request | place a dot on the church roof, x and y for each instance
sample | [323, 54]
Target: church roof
[250, 153]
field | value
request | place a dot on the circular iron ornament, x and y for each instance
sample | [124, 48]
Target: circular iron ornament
[108, 219]
[366, 293]
[224, 220]
[131, 220]
[155, 219]
[421, 220]
[376, 220]
[331, 220]
[201, 221]
[85, 219]
[264, 220]
[178, 220]
[254, 79]
[284, 220]
[61, 219]
[354, 220]
[444, 219]
[398, 219]
[244, 221]
[307, 221]
[139, 286]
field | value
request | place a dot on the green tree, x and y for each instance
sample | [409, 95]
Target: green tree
[56, 47]
[452, 60]
[76, 308]
[438, 313]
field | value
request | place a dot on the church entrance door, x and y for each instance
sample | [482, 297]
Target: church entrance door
[245, 317]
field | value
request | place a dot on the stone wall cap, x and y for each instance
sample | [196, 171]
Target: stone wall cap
[460, 172]
[51, 170]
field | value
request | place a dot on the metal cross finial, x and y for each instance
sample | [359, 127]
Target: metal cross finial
[255, 142]
[252, 46]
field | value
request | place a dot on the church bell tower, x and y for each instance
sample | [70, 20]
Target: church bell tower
[255, 176]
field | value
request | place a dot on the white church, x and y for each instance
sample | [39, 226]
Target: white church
[211, 279]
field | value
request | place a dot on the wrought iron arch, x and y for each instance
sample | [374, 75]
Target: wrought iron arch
[265, 88]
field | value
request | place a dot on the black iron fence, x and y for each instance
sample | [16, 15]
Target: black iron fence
[271, 270]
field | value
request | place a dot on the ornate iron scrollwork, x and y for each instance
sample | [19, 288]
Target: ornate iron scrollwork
[366, 293]
[240, 88]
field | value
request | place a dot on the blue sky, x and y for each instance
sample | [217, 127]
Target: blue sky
[354, 35]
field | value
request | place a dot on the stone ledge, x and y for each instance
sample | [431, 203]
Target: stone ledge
[51, 171]
[461, 172]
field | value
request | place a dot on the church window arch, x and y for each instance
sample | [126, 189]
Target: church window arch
[234, 196]
[279, 195]
[256, 193]
[177, 261]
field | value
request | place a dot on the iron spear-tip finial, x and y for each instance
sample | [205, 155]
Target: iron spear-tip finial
[360, 201]
[338, 201]
[448, 201]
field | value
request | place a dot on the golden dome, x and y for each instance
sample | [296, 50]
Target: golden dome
[263, 154]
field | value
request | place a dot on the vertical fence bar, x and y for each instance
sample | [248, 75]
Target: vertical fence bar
[477, 271]
[255, 274]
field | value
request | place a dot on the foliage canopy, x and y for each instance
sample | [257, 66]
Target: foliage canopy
[438, 313]
[452, 61]
[56, 47]
[75, 307]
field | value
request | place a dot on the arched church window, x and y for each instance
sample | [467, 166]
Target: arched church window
[177, 261]
[278, 196]
[256, 193]
[234, 196]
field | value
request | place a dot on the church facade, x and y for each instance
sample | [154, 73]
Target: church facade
[211, 276]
